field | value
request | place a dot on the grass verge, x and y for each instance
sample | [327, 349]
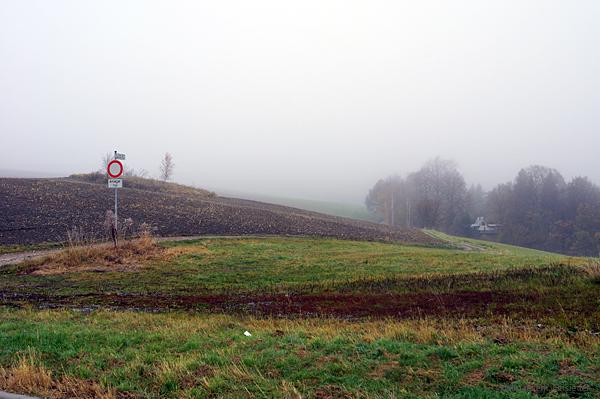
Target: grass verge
[127, 354]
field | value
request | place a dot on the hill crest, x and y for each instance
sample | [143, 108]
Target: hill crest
[43, 210]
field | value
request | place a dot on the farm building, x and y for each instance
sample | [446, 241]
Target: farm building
[481, 226]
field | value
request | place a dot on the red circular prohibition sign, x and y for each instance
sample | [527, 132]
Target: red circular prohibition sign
[110, 164]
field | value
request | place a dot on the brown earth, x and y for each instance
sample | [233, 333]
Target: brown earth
[42, 210]
[413, 305]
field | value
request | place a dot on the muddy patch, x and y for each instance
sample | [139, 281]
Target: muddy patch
[414, 305]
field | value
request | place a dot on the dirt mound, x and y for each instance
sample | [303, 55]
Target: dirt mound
[42, 210]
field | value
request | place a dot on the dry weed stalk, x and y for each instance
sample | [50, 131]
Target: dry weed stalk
[29, 376]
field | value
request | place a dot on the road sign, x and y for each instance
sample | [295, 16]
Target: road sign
[115, 169]
[115, 183]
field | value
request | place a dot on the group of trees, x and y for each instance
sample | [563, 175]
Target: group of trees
[166, 167]
[433, 197]
[538, 209]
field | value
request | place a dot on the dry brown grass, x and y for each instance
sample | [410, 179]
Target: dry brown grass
[130, 256]
[28, 376]
[593, 270]
[432, 330]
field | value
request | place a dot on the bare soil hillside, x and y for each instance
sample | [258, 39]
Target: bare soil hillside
[43, 210]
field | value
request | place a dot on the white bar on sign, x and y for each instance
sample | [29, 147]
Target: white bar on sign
[115, 183]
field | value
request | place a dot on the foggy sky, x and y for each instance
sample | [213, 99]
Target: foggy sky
[311, 99]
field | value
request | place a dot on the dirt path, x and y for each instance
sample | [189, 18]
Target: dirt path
[18, 257]
[7, 395]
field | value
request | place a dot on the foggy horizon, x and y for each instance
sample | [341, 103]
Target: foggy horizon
[317, 100]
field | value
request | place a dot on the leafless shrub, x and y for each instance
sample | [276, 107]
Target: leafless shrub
[76, 237]
[144, 230]
[143, 173]
[132, 172]
[106, 158]
[126, 227]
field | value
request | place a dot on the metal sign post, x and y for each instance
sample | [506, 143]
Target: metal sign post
[116, 214]
[115, 171]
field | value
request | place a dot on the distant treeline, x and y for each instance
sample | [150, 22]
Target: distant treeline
[539, 209]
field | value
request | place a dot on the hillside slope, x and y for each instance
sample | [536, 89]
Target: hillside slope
[352, 211]
[42, 210]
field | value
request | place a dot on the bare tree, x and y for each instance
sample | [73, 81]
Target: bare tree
[166, 167]
[106, 158]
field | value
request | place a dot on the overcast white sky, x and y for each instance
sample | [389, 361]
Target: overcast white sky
[314, 99]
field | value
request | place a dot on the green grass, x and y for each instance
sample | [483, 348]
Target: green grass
[549, 347]
[280, 265]
[487, 246]
[290, 263]
[180, 355]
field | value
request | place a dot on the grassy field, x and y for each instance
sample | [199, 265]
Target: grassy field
[328, 319]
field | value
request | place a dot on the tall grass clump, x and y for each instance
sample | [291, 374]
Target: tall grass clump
[85, 255]
[593, 271]
[28, 375]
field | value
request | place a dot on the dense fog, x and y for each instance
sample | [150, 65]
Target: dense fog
[309, 99]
